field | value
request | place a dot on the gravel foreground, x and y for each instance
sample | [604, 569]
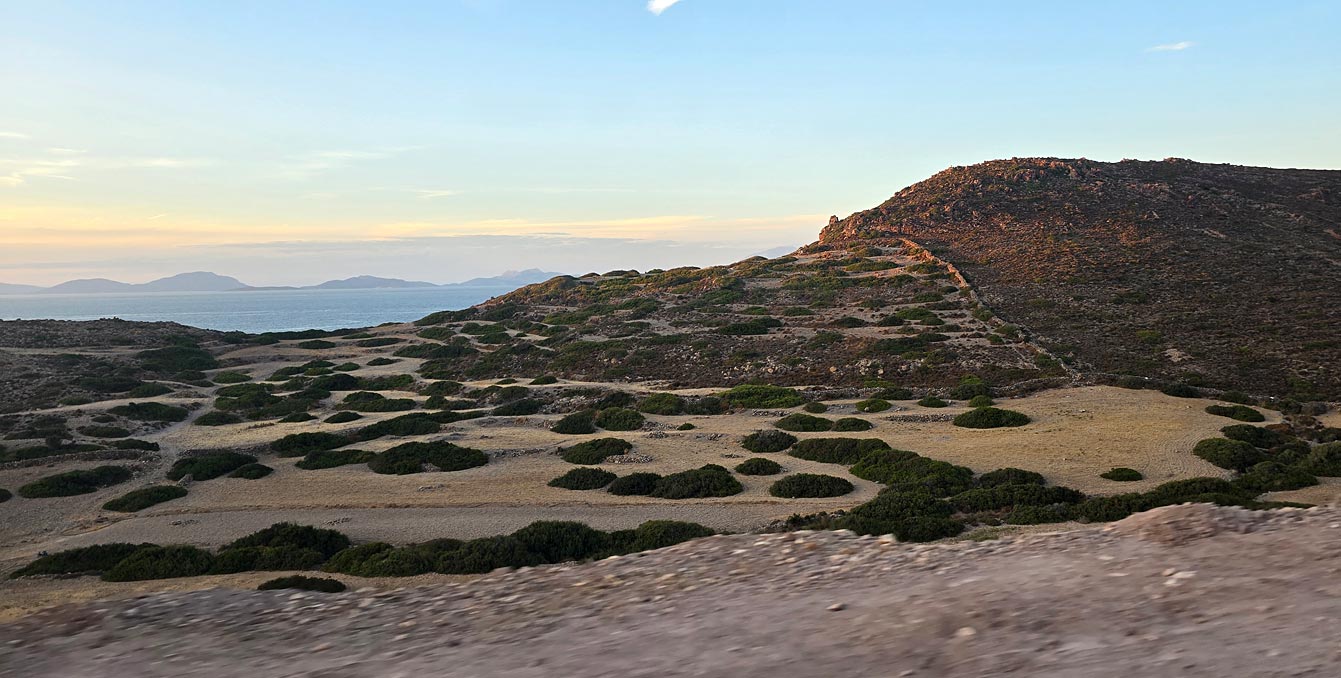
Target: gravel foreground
[1189, 590]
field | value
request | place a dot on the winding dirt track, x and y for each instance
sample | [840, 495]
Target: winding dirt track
[1180, 591]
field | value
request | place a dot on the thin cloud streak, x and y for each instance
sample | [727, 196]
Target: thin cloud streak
[1172, 47]
[658, 6]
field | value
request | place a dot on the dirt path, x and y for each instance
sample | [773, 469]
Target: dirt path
[1155, 595]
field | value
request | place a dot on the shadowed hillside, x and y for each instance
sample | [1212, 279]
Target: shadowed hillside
[1212, 274]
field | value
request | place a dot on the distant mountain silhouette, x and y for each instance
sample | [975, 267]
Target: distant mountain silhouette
[202, 281]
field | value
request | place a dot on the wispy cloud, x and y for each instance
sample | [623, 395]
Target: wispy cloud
[1172, 47]
[12, 135]
[658, 6]
[61, 163]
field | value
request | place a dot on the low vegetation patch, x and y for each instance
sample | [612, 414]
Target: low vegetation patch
[932, 401]
[333, 458]
[662, 403]
[852, 425]
[251, 471]
[801, 422]
[576, 423]
[805, 485]
[209, 466]
[143, 498]
[619, 419]
[217, 418]
[73, 483]
[299, 444]
[1236, 412]
[837, 450]
[873, 405]
[1122, 474]
[709, 481]
[161, 562]
[150, 412]
[417, 457]
[641, 483]
[767, 441]
[595, 451]
[758, 466]
[991, 417]
[583, 479]
[761, 396]
[303, 583]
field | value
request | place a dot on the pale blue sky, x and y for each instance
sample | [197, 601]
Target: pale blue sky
[139, 138]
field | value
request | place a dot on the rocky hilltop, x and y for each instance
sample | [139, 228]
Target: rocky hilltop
[1216, 275]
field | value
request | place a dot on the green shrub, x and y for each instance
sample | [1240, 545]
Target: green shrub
[562, 541]
[837, 450]
[685, 427]
[217, 418]
[292, 535]
[343, 417]
[583, 479]
[144, 497]
[619, 419]
[1181, 391]
[1235, 455]
[801, 422]
[980, 401]
[416, 424]
[662, 403]
[72, 483]
[708, 481]
[761, 396]
[894, 393]
[576, 423]
[378, 362]
[136, 444]
[299, 444]
[758, 466]
[852, 425]
[378, 404]
[545, 380]
[1122, 474]
[104, 432]
[1255, 435]
[815, 408]
[230, 378]
[1004, 496]
[480, 556]
[911, 472]
[302, 583]
[5, 495]
[932, 401]
[518, 408]
[990, 417]
[150, 412]
[316, 344]
[297, 418]
[641, 484]
[408, 458]
[1270, 476]
[94, 559]
[1039, 515]
[173, 359]
[873, 405]
[161, 562]
[657, 534]
[251, 471]
[1010, 476]
[337, 382]
[149, 390]
[208, 466]
[1236, 412]
[1323, 460]
[595, 451]
[264, 558]
[800, 485]
[768, 440]
[332, 458]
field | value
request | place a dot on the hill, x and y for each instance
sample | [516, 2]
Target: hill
[1219, 275]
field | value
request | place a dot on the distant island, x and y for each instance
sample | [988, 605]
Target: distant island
[204, 281]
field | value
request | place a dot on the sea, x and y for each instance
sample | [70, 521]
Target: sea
[252, 311]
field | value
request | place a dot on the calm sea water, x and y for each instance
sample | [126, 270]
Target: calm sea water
[259, 311]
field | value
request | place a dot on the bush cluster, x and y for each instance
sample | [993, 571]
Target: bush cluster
[1235, 455]
[852, 425]
[641, 483]
[251, 471]
[209, 466]
[73, 483]
[758, 466]
[799, 485]
[990, 417]
[150, 411]
[1256, 436]
[1236, 412]
[767, 441]
[662, 403]
[932, 401]
[595, 451]
[837, 450]
[303, 583]
[761, 396]
[415, 457]
[343, 417]
[217, 418]
[144, 497]
[299, 444]
[577, 423]
[333, 458]
[583, 479]
[709, 481]
[804, 423]
[1122, 474]
[873, 405]
[619, 419]
[161, 562]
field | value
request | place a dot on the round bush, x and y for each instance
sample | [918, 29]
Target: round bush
[656, 534]
[583, 479]
[208, 466]
[545, 380]
[873, 405]
[343, 417]
[708, 481]
[299, 444]
[685, 427]
[480, 556]
[262, 558]
[619, 419]
[837, 450]
[990, 417]
[595, 451]
[1235, 455]
[1122, 474]
[408, 458]
[1255, 435]
[217, 418]
[801, 422]
[758, 466]
[662, 403]
[161, 562]
[980, 401]
[1010, 476]
[800, 485]
[251, 471]
[816, 408]
[576, 423]
[768, 440]
[333, 458]
[297, 418]
[1181, 391]
[562, 541]
[851, 425]
[230, 378]
[932, 401]
[303, 583]
[640, 484]
[5, 495]
[94, 559]
[73, 483]
[292, 535]
[144, 497]
[1236, 412]
[518, 408]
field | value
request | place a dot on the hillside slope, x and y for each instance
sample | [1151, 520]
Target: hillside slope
[1216, 274]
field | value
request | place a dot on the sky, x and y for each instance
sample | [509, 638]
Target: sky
[287, 142]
